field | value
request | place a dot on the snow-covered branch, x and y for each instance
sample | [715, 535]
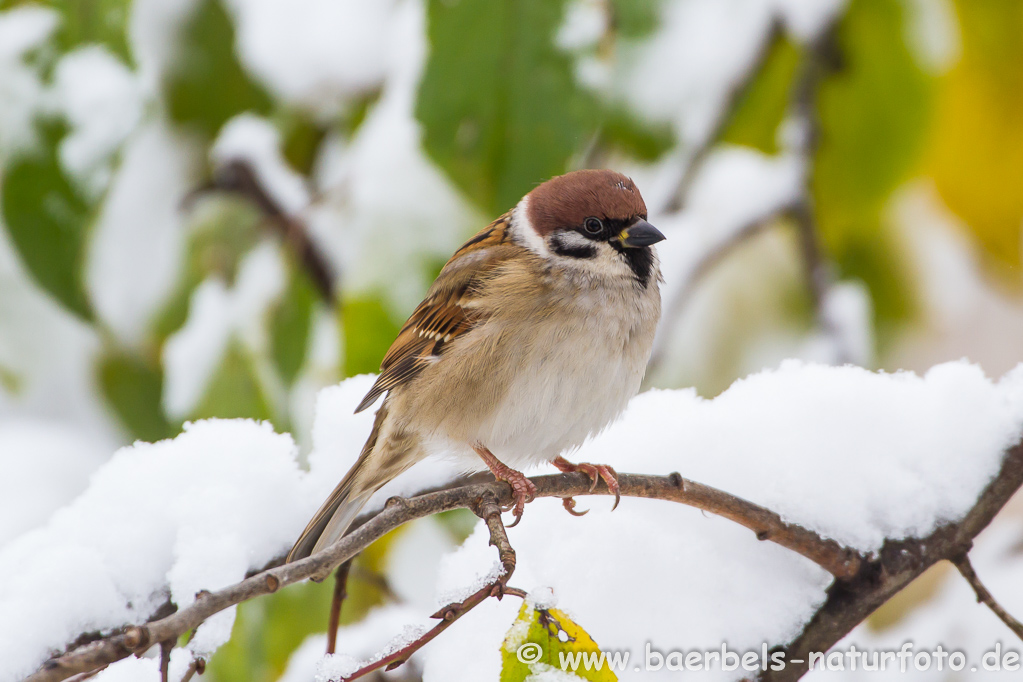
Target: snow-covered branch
[136, 639]
[896, 565]
[864, 582]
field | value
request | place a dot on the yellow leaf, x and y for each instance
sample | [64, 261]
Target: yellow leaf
[976, 157]
[541, 639]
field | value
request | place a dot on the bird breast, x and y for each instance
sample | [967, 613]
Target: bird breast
[542, 374]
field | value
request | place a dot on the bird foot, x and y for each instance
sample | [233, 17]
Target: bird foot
[595, 472]
[523, 490]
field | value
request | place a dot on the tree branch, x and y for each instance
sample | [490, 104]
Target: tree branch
[819, 60]
[708, 261]
[340, 592]
[962, 563]
[697, 154]
[238, 177]
[487, 508]
[899, 563]
[136, 639]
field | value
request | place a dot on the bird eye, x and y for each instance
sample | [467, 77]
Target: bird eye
[593, 226]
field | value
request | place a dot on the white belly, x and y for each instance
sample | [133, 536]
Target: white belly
[578, 376]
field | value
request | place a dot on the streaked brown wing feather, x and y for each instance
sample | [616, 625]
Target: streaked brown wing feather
[445, 313]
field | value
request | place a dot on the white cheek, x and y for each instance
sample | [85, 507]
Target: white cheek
[522, 230]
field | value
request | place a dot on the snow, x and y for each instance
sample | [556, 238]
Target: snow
[847, 333]
[932, 32]
[134, 669]
[338, 437]
[45, 464]
[320, 369]
[952, 618]
[249, 138]
[47, 358]
[584, 24]
[379, 184]
[734, 188]
[136, 250]
[22, 29]
[158, 521]
[319, 54]
[682, 73]
[854, 455]
[413, 561]
[357, 643]
[101, 101]
[153, 27]
[216, 315]
[542, 598]
[169, 519]
[805, 19]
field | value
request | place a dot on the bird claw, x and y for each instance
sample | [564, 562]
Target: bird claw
[595, 472]
[523, 490]
[569, 504]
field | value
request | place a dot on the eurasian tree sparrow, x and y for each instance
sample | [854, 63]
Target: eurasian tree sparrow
[534, 336]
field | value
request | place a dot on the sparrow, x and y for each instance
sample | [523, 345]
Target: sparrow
[534, 336]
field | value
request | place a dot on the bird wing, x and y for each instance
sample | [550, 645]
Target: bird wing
[447, 312]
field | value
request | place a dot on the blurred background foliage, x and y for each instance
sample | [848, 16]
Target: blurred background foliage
[121, 118]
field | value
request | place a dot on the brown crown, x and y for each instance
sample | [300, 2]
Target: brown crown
[567, 200]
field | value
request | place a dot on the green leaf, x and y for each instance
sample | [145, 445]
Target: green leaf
[229, 230]
[134, 389]
[93, 21]
[874, 113]
[10, 381]
[369, 330]
[500, 108]
[301, 137]
[643, 141]
[290, 324]
[207, 85]
[635, 18]
[48, 220]
[235, 390]
[759, 112]
[553, 637]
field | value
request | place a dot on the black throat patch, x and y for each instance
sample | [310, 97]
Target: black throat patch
[640, 260]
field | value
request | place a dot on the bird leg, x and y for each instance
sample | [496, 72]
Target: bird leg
[523, 489]
[595, 472]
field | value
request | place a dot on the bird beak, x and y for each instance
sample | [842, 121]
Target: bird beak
[640, 233]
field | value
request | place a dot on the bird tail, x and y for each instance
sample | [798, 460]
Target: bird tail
[349, 497]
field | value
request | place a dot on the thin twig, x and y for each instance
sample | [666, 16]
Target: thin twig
[197, 666]
[818, 61]
[166, 646]
[239, 177]
[695, 156]
[340, 592]
[962, 563]
[487, 508]
[708, 261]
[841, 562]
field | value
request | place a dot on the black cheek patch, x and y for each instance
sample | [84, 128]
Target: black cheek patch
[561, 248]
